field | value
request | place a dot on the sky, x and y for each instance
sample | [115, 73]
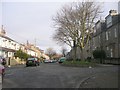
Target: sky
[32, 20]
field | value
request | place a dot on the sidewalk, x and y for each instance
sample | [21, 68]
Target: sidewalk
[18, 65]
[101, 80]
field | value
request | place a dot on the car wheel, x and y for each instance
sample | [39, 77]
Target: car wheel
[38, 64]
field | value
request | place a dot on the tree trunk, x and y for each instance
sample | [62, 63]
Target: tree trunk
[82, 55]
[75, 49]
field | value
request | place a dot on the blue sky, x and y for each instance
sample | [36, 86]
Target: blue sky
[33, 21]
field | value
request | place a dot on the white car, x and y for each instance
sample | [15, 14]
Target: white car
[47, 61]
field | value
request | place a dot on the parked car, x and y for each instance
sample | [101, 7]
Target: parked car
[53, 61]
[62, 59]
[32, 62]
[47, 61]
[2, 60]
[50, 61]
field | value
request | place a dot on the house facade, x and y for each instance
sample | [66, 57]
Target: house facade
[106, 36]
[112, 34]
[32, 50]
[119, 7]
[8, 47]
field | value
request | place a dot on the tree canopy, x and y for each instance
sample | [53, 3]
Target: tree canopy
[22, 55]
[74, 23]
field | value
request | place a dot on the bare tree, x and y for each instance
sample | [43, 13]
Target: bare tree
[74, 24]
[51, 52]
[63, 50]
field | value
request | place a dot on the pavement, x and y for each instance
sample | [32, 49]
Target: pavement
[101, 80]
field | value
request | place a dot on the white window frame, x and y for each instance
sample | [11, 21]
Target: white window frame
[106, 35]
[107, 47]
[115, 30]
[111, 52]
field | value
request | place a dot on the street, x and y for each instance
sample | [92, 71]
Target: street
[54, 75]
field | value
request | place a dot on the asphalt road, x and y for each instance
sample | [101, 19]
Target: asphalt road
[53, 75]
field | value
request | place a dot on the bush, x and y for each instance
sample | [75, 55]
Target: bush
[99, 54]
[21, 55]
[89, 59]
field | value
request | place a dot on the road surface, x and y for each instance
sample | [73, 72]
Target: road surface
[54, 75]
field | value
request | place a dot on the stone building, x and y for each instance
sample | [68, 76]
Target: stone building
[119, 7]
[106, 36]
[112, 34]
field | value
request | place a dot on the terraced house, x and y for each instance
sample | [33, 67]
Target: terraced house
[113, 34]
[8, 47]
[106, 36]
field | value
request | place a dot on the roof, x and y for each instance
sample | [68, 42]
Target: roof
[7, 49]
[8, 38]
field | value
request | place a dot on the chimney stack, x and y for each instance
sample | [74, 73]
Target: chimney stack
[2, 31]
[113, 12]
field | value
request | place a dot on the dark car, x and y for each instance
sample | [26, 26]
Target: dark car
[2, 60]
[62, 59]
[32, 62]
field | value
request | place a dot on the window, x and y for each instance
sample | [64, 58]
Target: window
[109, 34]
[115, 30]
[109, 21]
[107, 47]
[106, 35]
[111, 52]
[99, 39]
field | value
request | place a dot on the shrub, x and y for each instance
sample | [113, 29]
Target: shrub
[21, 54]
[99, 54]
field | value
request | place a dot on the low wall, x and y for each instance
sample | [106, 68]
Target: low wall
[109, 61]
[13, 61]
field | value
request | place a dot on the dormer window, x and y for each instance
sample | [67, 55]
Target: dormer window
[109, 21]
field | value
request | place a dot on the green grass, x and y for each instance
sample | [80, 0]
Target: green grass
[79, 63]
